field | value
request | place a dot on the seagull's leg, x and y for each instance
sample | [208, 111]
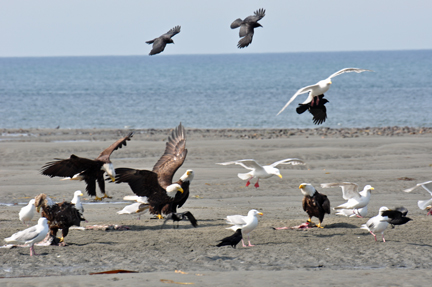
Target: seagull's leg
[356, 212]
[250, 245]
[257, 183]
[373, 235]
[383, 236]
[243, 243]
[248, 182]
[429, 212]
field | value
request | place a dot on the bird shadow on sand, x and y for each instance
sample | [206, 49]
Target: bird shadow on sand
[422, 245]
[340, 225]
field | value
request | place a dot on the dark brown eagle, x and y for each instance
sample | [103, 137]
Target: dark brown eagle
[314, 203]
[247, 27]
[89, 170]
[163, 195]
[61, 215]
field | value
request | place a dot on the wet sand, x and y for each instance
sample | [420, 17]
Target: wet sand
[390, 159]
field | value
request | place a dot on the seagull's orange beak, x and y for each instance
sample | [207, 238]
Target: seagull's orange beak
[260, 213]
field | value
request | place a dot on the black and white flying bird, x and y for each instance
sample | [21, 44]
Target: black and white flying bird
[316, 92]
[231, 240]
[160, 42]
[176, 217]
[397, 216]
[318, 111]
[247, 27]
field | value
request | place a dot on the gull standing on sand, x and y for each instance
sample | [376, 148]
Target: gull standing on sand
[258, 171]
[27, 212]
[423, 204]
[77, 201]
[377, 224]
[316, 94]
[245, 223]
[30, 235]
[350, 192]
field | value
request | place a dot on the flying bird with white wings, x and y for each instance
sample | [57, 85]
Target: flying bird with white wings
[160, 42]
[423, 204]
[258, 171]
[356, 199]
[315, 101]
[247, 27]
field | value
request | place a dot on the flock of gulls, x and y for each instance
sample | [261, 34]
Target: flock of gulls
[156, 192]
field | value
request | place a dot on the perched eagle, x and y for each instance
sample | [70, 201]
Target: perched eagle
[89, 170]
[314, 203]
[163, 195]
[59, 215]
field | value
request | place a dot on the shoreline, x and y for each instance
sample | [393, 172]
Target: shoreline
[33, 134]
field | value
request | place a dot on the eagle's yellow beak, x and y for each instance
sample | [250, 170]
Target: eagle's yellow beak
[188, 173]
[301, 186]
[181, 190]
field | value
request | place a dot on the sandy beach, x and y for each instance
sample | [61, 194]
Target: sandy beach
[390, 159]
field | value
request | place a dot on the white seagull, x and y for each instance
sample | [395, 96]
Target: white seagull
[350, 192]
[77, 201]
[258, 171]
[319, 88]
[377, 224]
[360, 212]
[245, 223]
[27, 212]
[423, 204]
[30, 235]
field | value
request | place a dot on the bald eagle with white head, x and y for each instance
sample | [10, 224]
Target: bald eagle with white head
[314, 203]
[89, 170]
[163, 195]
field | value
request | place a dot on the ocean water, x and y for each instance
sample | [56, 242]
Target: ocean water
[214, 91]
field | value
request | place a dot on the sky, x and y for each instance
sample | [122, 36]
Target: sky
[30, 28]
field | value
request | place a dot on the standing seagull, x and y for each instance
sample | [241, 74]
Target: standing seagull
[27, 212]
[316, 92]
[361, 212]
[160, 42]
[31, 235]
[247, 27]
[79, 168]
[258, 171]
[423, 204]
[377, 224]
[314, 203]
[245, 223]
[355, 199]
